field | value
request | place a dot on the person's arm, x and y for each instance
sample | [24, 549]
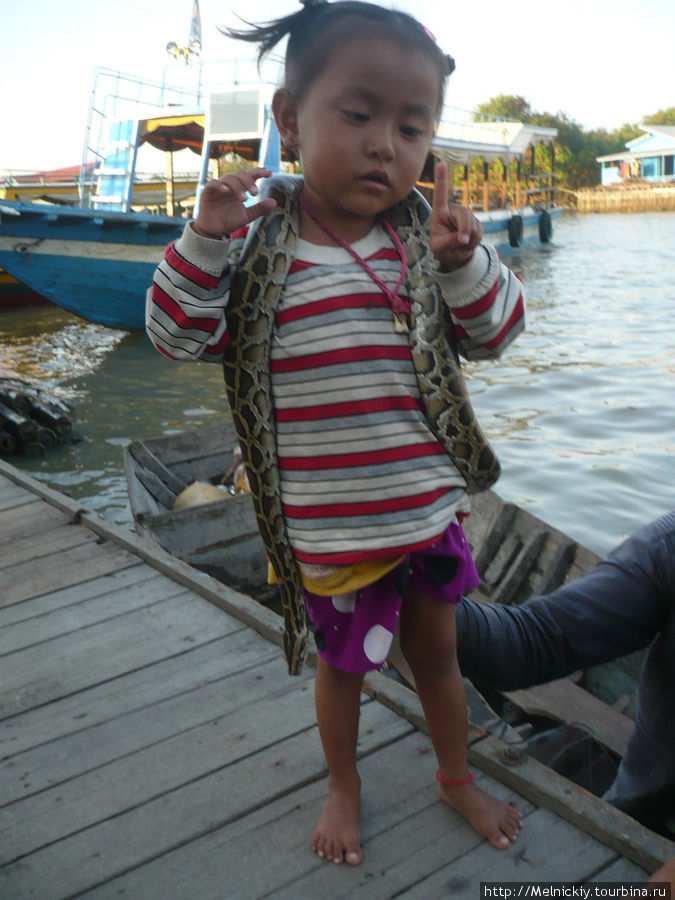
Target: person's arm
[484, 296]
[185, 307]
[486, 302]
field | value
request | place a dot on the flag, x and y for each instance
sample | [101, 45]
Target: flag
[195, 40]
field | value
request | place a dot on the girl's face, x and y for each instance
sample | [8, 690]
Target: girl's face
[363, 130]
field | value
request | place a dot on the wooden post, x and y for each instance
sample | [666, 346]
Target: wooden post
[486, 186]
[465, 187]
[553, 175]
[518, 176]
[502, 186]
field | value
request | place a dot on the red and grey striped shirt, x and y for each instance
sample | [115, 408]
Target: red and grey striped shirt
[361, 473]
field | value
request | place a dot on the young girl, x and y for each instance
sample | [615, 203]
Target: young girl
[338, 314]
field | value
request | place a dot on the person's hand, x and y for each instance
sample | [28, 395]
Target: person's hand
[221, 204]
[455, 232]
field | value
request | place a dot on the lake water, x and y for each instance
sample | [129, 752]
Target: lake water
[581, 409]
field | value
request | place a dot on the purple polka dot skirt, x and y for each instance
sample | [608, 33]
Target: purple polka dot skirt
[354, 631]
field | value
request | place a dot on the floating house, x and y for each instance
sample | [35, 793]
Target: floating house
[649, 157]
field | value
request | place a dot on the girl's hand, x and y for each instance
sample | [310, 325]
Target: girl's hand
[455, 232]
[221, 205]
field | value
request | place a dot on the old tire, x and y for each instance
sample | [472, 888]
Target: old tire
[545, 227]
[515, 231]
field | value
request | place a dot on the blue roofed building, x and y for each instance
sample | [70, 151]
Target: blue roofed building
[648, 157]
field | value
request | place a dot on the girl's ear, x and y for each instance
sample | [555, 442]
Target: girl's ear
[285, 111]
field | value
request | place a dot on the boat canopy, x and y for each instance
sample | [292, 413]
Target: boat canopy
[172, 133]
[459, 143]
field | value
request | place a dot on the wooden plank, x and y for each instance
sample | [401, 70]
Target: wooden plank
[244, 608]
[82, 563]
[45, 672]
[556, 571]
[47, 542]
[547, 848]
[620, 870]
[186, 447]
[399, 794]
[156, 487]
[28, 519]
[108, 790]
[13, 496]
[11, 475]
[495, 537]
[598, 819]
[75, 616]
[567, 702]
[72, 595]
[139, 688]
[502, 559]
[146, 459]
[48, 765]
[222, 521]
[520, 568]
[239, 782]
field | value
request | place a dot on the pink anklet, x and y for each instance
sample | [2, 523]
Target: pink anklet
[453, 782]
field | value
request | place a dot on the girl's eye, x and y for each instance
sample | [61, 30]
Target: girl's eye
[355, 116]
[410, 131]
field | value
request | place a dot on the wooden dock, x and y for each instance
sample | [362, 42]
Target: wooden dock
[152, 745]
[627, 198]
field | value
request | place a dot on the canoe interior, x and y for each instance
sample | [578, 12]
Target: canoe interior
[219, 538]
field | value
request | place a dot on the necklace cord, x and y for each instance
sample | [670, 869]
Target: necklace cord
[400, 305]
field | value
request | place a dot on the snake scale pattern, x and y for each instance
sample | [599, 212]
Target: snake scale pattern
[256, 288]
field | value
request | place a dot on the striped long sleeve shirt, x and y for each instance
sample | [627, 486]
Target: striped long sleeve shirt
[361, 473]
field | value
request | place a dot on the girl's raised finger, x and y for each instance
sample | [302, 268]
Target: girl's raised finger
[441, 186]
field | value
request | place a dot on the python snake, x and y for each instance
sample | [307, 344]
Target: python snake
[256, 288]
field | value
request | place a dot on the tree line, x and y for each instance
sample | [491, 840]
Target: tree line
[576, 149]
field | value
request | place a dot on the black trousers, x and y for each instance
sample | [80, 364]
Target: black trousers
[625, 603]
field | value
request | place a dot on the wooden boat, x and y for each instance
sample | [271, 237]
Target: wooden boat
[13, 293]
[517, 556]
[221, 537]
[96, 258]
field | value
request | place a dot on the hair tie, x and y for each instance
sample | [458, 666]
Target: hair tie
[309, 4]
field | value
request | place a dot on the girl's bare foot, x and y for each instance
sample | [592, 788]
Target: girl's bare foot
[337, 835]
[498, 822]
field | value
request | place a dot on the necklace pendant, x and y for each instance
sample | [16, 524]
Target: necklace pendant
[400, 324]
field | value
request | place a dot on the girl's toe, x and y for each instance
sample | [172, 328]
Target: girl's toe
[354, 856]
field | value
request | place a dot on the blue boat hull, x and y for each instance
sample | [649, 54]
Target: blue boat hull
[100, 265]
[95, 265]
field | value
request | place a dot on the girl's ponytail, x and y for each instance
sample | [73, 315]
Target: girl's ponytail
[314, 29]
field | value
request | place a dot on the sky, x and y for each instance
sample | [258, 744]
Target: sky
[601, 63]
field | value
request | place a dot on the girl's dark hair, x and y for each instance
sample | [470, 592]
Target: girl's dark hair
[315, 29]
